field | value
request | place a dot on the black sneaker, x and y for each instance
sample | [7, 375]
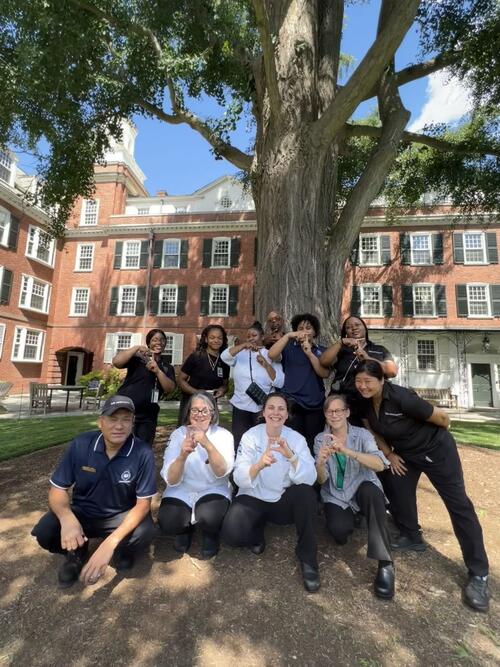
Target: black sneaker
[383, 585]
[310, 576]
[123, 559]
[258, 548]
[404, 543]
[476, 593]
[72, 566]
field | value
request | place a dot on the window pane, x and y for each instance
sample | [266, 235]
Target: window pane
[218, 301]
[128, 301]
[371, 301]
[421, 249]
[473, 244]
[123, 342]
[171, 251]
[426, 355]
[478, 300]
[85, 256]
[90, 212]
[168, 301]
[37, 295]
[220, 252]
[132, 254]
[5, 167]
[168, 352]
[80, 302]
[423, 299]
[369, 249]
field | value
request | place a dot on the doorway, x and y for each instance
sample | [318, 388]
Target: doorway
[74, 366]
[482, 391]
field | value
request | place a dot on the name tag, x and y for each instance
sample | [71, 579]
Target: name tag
[219, 372]
[88, 469]
[155, 395]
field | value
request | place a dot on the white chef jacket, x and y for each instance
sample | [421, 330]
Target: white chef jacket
[198, 479]
[270, 483]
[242, 380]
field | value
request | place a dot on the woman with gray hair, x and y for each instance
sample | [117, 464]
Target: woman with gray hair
[196, 466]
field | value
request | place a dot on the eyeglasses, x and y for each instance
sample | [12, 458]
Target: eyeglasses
[335, 413]
[204, 412]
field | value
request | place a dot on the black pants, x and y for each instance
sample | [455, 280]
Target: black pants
[48, 531]
[307, 421]
[444, 470]
[241, 422]
[247, 516]
[371, 501]
[145, 429]
[174, 515]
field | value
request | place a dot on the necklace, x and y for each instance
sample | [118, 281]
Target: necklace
[213, 364]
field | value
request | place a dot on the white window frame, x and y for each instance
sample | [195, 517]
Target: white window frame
[72, 311]
[488, 300]
[4, 234]
[83, 215]
[212, 258]
[362, 299]
[163, 254]
[78, 258]
[143, 210]
[483, 248]
[126, 246]
[22, 345]
[436, 355]
[111, 343]
[34, 234]
[210, 301]
[160, 291]
[378, 261]
[413, 236]
[30, 280]
[9, 165]
[433, 296]
[175, 346]
[3, 329]
[120, 300]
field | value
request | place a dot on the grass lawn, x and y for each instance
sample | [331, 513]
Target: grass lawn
[24, 436]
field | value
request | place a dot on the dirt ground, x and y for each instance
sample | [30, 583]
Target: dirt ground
[244, 609]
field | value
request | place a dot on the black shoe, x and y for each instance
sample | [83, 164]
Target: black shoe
[210, 546]
[310, 575]
[182, 542]
[258, 548]
[476, 593]
[405, 543]
[72, 566]
[383, 585]
[123, 559]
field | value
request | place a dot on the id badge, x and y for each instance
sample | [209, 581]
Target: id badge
[219, 372]
[155, 395]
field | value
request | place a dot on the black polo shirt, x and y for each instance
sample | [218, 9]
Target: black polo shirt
[402, 421]
[104, 487]
[202, 374]
[347, 362]
[139, 384]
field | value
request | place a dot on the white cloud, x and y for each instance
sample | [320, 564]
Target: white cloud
[447, 100]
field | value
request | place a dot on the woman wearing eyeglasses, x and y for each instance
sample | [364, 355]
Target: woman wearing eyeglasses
[347, 460]
[196, 466]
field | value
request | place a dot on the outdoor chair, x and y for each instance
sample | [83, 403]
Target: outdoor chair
[40, 397]
[93, 396]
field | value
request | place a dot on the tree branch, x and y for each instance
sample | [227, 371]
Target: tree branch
[268, 56]
[234, 155]
[368, 71]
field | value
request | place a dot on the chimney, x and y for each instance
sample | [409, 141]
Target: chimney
[162, 193]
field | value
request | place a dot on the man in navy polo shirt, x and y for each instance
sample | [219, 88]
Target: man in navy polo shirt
[113, 477]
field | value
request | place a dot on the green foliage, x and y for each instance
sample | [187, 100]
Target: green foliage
[112, 379]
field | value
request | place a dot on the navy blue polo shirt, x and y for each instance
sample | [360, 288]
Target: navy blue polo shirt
[104, 487]
[302, 384]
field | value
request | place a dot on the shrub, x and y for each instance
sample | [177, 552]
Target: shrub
[111, 378]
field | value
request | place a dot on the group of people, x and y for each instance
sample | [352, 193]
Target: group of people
[362, 451]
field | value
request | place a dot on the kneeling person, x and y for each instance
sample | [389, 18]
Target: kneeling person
[113, 478]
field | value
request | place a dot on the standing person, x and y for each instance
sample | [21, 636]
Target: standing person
[252, 366]
[275, 472]
[113, 478]
[304, 375]
[347, 458]
[196, 466]
[416, 441]
[204, 368]
[147, 378]
[345, 355]
[274, 330]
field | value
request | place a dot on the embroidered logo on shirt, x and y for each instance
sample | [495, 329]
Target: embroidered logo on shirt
[125, 476]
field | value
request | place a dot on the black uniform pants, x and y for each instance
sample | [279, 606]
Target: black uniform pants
[245, 521]
[48, 531]
[371, 501]
[308, 422]
[444, 470]
[174, 515]
[145, 429]
[241, 422]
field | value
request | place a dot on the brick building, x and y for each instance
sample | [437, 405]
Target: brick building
[428, 286]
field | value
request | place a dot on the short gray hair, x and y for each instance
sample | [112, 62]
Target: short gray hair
[209, 401]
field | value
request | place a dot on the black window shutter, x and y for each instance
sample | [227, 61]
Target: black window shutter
[491, 248]
[157, 254]
[6, 287]
[495, 300]
[204, 299]
[440, 298]
[181, 299]
[407, 292]
[354, 257]
[356, 300]
[461, 296]
[118, 255]
[144, 258]
[458, 248]
[113, 305]
[235, 251]
[155, 301]
[405, 248]
[255, 251]
[437, 248]
[13, 232]
[385, 246]
[207, 254]
[387, 300]
[233, 300]
[140, 303]
[184, 254]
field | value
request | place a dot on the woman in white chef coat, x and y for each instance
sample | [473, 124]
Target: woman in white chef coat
[275, 472]
[196, 466]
